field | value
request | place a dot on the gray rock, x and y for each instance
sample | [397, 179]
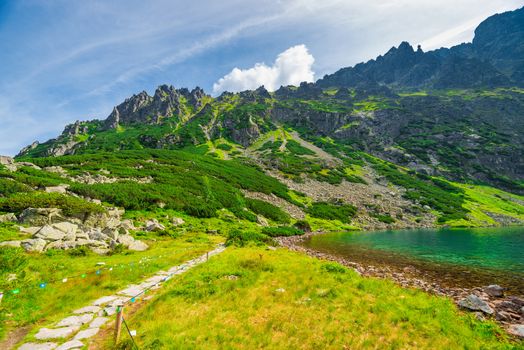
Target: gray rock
[154, 225]
[522, 312]
[494, 290]
[73, 344]
[54, 333]
[111, 233]
[34, 245]
[9, 217]
[177, 221]
[4, 160]
[97, 235]
[138, 246]
[126, 240]
[66, 227]
[38, 346]
[128, 225]
[61, 245]
[75, 320]
[29, 230]
[104, 300]
[40, 216]
[14, 244]
[87, 333]
[100, 250]
[474, 303]
[57, 189]
[87, 310]
[517, 330]
[49, 233]
[98, 322]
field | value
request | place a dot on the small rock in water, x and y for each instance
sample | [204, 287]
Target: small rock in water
[494, 290]
[473, 302]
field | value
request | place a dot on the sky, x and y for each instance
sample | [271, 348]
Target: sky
[68, 60]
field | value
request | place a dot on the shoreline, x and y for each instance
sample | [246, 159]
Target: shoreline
[508, 310]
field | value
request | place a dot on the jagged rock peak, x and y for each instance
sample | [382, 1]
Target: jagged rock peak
[166, 102]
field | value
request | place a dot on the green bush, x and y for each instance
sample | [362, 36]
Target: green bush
[268, 210]
[10, 186]
[69, 205]
[333, 268]
[329, 211]
[243, 238]
[385, 218]
[282, 231]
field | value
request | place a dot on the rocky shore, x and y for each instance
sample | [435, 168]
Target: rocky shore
[488, 302]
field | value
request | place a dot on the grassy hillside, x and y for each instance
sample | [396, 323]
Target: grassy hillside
[254, 298]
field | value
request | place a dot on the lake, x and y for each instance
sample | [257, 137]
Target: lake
[452, 257]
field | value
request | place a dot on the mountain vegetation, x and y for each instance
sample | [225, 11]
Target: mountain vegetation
[410, 139]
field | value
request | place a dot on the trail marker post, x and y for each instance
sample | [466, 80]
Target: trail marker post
[118, 326]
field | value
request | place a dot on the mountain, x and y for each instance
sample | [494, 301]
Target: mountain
[495, 58]
[410, 139]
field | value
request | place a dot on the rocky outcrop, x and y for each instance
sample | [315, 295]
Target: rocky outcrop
[166, 102]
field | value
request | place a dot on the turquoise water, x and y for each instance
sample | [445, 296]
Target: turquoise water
[465, 257]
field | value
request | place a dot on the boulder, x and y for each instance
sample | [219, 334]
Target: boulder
[57, 189]
[138, 246]
[494, 290]
[126, 240]
[100, 250]
[9, 217]
[111, 233]
[474, 303]
[56, 170]
[29, 230]
[34, 245]
[128, 225]
[14, 244]
[41, 216]
[97, 235]
[61, 245]
[4, 160]
[98, 322]
[49, 233]
[177, 221]
[154, 225]
[66, 227]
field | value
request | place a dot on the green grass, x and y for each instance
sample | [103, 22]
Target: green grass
[33, 305]
[284, 300]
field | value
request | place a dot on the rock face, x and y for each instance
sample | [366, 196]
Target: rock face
[99, 232]
[142, 108]
[494, 58]
[473, 302]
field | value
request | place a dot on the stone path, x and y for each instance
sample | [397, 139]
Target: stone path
[84, 323]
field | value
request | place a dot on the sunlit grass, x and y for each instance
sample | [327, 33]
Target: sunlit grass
[283, 300]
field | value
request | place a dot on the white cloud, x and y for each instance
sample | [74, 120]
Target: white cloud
[291, 67]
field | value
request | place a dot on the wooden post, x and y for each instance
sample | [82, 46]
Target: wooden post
[118, 327]
[207, 256]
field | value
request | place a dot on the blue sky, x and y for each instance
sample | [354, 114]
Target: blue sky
[63, 60]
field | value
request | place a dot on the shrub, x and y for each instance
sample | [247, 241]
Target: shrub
[328, 211]
[225, 147]
[303, 225]
[268, 210]
[385, 218]
[10, 186]
[333, 268]
[282, 231]
[70, 205]
[243, 238]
